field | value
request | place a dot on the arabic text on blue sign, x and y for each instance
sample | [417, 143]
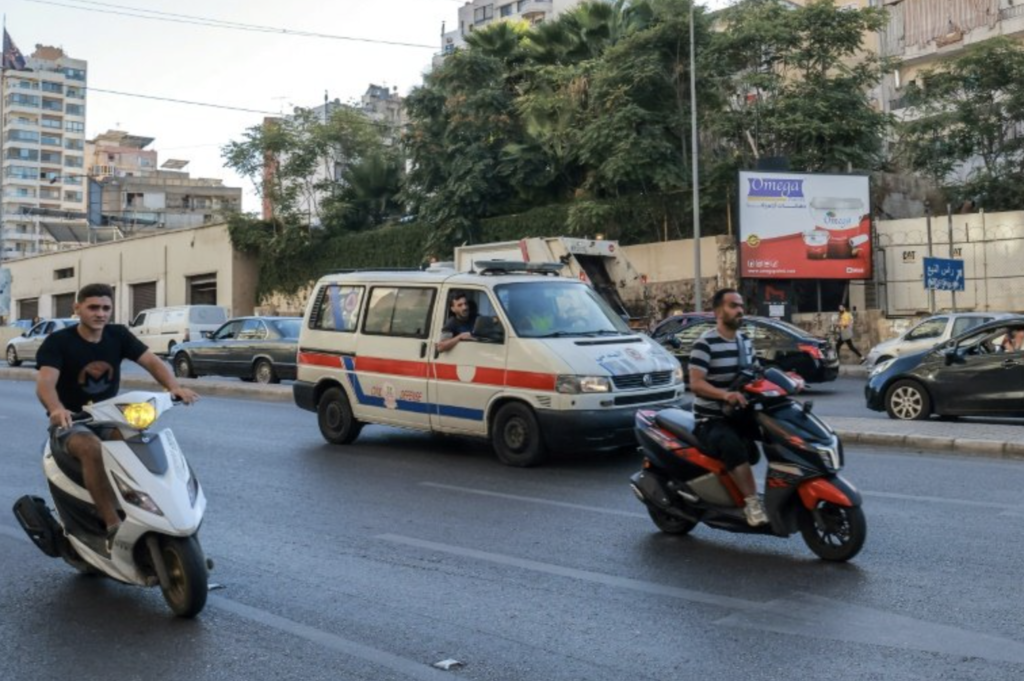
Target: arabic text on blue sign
[944, 274]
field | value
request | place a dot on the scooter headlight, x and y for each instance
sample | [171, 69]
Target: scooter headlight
[139, 415]
[831, 456]
[135, 497]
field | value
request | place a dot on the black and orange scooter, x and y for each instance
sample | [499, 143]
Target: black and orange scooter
[681, 486]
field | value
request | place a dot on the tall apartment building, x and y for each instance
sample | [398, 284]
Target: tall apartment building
[476, 14]
[42, 146]
[130, 192]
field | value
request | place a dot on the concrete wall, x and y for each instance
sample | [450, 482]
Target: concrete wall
[168, 258]
[670, 272]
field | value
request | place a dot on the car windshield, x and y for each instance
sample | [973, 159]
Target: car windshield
[550, 308]
[288, 328]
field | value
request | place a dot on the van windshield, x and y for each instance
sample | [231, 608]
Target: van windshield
[549, 309]
[207, 314]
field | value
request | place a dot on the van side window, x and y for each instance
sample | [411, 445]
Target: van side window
[399, 312]
[337, 308]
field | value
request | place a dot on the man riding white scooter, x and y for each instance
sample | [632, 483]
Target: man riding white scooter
[82, 364]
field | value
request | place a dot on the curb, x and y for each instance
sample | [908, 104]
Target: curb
[269, 393]
[854, 370]
[282, 393]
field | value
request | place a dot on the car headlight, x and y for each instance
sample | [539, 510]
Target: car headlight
[677, 375]
[879, 368]
[139, 415]
[135, 497]
[573, 385]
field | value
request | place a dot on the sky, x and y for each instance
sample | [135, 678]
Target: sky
[265, 72]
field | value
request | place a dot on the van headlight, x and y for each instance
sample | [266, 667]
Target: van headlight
[677, 374]
[573, 385]
[139, 415]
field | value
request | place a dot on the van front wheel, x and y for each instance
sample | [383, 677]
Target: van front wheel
[338, 424]
[516, 436]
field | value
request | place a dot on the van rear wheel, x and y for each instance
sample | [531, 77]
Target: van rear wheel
[516, 436]
[337, 423]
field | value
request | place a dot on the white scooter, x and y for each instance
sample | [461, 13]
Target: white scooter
[158, 494]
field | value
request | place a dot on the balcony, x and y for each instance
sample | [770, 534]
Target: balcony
[921, 30]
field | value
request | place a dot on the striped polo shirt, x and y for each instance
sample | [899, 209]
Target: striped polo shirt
[720, 360]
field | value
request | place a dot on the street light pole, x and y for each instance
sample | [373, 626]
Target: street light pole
[698, 303]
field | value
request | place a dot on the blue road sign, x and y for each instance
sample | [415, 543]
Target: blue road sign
[944, 274]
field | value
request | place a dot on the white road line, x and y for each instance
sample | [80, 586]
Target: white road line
[534, 500]
[798, 614]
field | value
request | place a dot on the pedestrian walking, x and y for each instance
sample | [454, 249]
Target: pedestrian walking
[846, 333]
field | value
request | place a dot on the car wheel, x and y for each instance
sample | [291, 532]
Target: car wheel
[183, 366]
[908, 401]
[516, 436]
[263, 372]
[12, 357]
[337, 423]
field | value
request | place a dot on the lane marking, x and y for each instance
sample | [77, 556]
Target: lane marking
[401, 665]
[939, 500]
[799, 614]
[409, 668]
[533, 500]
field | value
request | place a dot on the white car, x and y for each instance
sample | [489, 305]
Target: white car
[929, 333]
[24, 347]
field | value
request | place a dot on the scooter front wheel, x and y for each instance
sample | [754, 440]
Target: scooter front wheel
[834, 532]
[186, 573]
[670, 524]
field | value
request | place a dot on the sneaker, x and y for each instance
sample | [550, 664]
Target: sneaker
[754, 511]
[111, 533]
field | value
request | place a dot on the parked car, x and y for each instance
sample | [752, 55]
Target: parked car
[929, 333]
[161, 328]
[970, 375]
[776, 343]
[260, 349]
[24, 347]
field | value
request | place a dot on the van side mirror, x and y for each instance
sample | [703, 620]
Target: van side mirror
[488, 329]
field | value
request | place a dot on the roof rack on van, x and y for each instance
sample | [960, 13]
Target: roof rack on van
[353, 270]
[515, 266]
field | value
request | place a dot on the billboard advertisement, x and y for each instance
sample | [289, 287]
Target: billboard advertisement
[803, 226]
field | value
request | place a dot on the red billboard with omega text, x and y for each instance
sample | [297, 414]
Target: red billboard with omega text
[804, 226]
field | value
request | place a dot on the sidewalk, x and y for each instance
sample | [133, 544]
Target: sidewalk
[995, 439]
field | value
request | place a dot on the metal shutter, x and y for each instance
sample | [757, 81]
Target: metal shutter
[143, 297]
[64, 305]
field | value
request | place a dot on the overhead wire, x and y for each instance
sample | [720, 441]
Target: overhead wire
[154, 15]
[182, 101]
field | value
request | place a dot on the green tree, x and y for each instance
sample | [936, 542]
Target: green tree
[963, 129]
[801, 85]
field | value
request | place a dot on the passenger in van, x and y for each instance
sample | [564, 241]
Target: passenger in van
[460, 324]
[532, 314]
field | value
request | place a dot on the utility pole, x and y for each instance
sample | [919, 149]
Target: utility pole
[928, 225]
[698, 303]
[949, 217]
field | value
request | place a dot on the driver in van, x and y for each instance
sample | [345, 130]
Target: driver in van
[460, 324]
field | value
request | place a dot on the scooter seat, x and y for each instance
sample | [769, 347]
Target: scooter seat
[68, 464]
[680, 423]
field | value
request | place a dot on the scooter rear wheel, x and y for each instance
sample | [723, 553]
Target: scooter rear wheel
[186, 570]
[670, 524]
[840, 534]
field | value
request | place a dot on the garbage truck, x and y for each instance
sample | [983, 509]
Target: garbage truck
[598, 262]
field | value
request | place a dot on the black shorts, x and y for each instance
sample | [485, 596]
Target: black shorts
[732, 441]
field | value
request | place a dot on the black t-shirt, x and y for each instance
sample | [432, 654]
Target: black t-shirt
[89, 372]
[455, 326]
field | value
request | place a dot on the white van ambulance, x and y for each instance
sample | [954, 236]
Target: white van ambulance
[549, 367]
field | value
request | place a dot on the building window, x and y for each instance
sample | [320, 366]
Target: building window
[73, 179]
[485, 13]
[74, 74]
[53, 105]
[74, 145]
[51, 157]
[50, 140]
[74, 126]
[23, 136]
[52, 123]
[506, 10]
[57, 88]
[74, 109]
[21, 172]
[201, 289]
[75, 93]
[64, 273]
[23, 154]
[73, 161]
[23, 100]
[73, 197]
[20, 192]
